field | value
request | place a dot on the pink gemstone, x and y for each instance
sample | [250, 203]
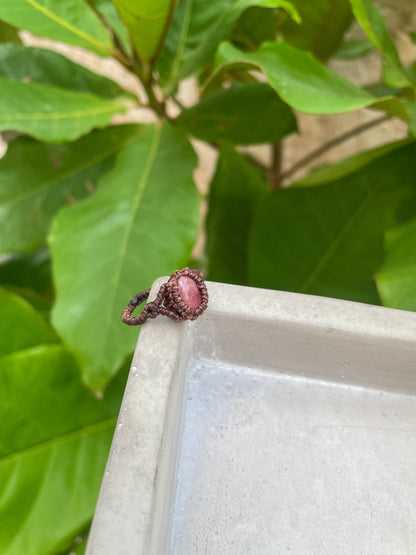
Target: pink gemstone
[189, 292]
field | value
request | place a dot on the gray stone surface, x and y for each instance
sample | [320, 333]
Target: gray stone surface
[275, 423]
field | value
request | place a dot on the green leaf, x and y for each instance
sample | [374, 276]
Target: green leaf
[196, 30]
[393, 77]
[235, 191]
[52, 452]
[215, 82]
[72, 21]
[375, 28]
[29, 270]
[141, 224]
[303, 82]
[328, 240]
[396, 279]
[255, 26]
[78, 546]
[38, 65]
[21, 327]
[52, 114]
[46, 177]
[146, 22]
[391, 105]
[411, 111]
[8, 33]
[331, 172]
[36, 84]
[29, 275]
[108, 11]
[40, 303]
[248, 113]
[322, 26]
[382, 91]
[353, 49]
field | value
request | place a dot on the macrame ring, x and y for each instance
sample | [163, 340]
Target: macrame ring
[183, 297]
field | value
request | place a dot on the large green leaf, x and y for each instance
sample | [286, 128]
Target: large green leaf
[28, 270]
[353, 49]
[46, 177]
[71, 21]
[255, 26]
[140, 224]
[328, 239]
[235, 191]
[52, 114]
[38, 65]
[396, 279]
[41, 303]
[375, 28]
[244, 114]
[29, 275]
[21, 327]
[53, 451]
[42, 94]
[55, 437]
[332, 172]
[196, 30]
[303, 82]
[146, 22]
[8, 33]
[322, 27]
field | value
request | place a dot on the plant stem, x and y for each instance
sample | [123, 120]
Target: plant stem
[164, 34]
[250, 158]
[178, 103]
[118, 52]
[332, 144]
[120, 57]
[146, 78]
[158, 106]
[276, 168]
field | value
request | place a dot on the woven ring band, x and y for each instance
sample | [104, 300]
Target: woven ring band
[183, 297]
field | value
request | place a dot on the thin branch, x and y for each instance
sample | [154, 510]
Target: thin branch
[146, 79]
[177, 102]
[158, 107]
[164, 34]
[138, 67]
[332, 144]
[252, 161]
[118, 52]
[119, 56]
[276, 168]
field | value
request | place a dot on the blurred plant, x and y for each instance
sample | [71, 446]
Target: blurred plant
[91, 212]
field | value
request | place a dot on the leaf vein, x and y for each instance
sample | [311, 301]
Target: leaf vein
[336, 242]
[67, 25]
[36, 116]
[70, 436]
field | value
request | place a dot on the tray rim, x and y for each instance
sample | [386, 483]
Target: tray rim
[126, 519]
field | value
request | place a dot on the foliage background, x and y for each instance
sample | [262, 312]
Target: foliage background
[94, 207]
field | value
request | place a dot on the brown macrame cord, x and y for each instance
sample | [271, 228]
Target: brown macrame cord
[168, 301]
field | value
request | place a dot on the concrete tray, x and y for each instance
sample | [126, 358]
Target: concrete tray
[275, 423]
